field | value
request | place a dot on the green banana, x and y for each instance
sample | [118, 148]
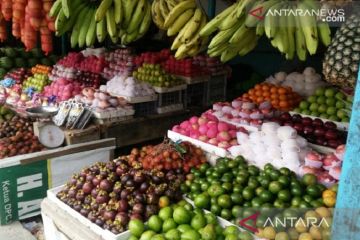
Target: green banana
[271, 22]
[230, 20]
[84, 28]
[118, 11]
[229, 53]
[129, 8]
[239, 33]
[300, 44]
[211, 26]
[217, 50]
[325, 33]
[194, 24]
[309, 27]
[251, 20]
[224, 36]
[74, 39]
[102, 10]
[110, 22]
[65, 7]
[137, 17]
[55, 9]
[101, 30]
[145, 24]
[91, 33]
[178, 10]
[71, 21]
[180, 22]
[249, 47]
[114, 39]
[60, 20]
[291, 28]
[260, 29]
[242, 6]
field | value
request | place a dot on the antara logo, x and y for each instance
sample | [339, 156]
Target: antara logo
[258, 13]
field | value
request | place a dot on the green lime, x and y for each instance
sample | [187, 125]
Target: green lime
[173, 234]
[259, 190]
[295, 202]
[227, 186]
[232, 164]
[231, 230]
[248, 193]
[224, 201]
[330, 92]
[331, 102]
[279, 203]
[256, 202]
[266, 196]
[304, 105]
[165, 213]
[210, 218]
[237, 188]
[190, 235]
[275, 187]
[202, 201]
[320, 92]
[285, 171]
[136, 227]
[183, 228]
[155, 223]
[296, 191]
[205, 186]
[236, 211]
[236, 198]
[306, 112]
[181, 215]
[321, 100]
[333, 118]
[215, 190]
[195, 187]
[204, 167]
[297, 110]
[341, 114]
[226, 214]
[215, 209]
[311, 99]
[253, 170]
[198, 221]
[147, 235]
[309, 179]
[314, 113]
[265, 181]
[340, 96]
[324, 115]
[340, 105]
[313, 191]
[331, 111]
[345, 120]
[284, 180]
[322, 108]
[307, 198]
[253, 183]
[284, 195]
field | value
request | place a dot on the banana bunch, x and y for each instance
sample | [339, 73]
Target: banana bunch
[182, 20]
[239, 27]
[122, 21]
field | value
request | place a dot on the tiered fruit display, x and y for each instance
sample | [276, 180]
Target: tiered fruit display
[341, 63]
[243, 111]
[327, 103]
[319, 229]
[212, 64]
[121, 62]
[29, 18]
[169, 156]
[152, 57]
[18, 58]
[314, 130]
[184, 20]
[209, 130]
[156, 76]
[37, 82]
[232, 187]
[122, 20]
[111, 194]
[182, 221]
[17, 137]
[304, 83]
[18, 74]
[62, 89]
[128, 87]
[184, 67]
[281, 98]
[239, 29]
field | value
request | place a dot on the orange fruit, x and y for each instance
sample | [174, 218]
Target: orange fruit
[274, 96]
[257, 87]
[251, 92]
[275, 102]
[284, 104]
[246, 95]
[260, 99]
[258, 93]
[282, 90]
[266, 94]
[283, 97]
[330, 201]
[273, 90]
[265, 87]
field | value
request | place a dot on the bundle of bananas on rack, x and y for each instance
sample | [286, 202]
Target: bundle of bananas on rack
[291, 26]
[123, 21]
[184, 20]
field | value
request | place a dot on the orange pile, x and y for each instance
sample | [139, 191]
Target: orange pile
[281, 98]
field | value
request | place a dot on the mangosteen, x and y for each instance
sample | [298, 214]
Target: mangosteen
[139, 198]
[109, 214]
[170, 193]
[114, 196]
[85, 211]
[72, 192]
[122, 218]
[108, 225]
[102, 197]
[87, 187]
[95, 192]
[143, 187]
[170, 176]
[105, 185]
[123, 205]
[130, 183]
[96, 180]
[92, 216]
[88, 199]
[125, 194]
[80, 183]
[100, 222]
[139, 177]
[151, 210]
[157, 179]
[77, 206]
[117, 187]
[125, 178]
[152, 198]
[110, 166]
[138, 208]
[136, 216]
[103, 172]
[89, 177]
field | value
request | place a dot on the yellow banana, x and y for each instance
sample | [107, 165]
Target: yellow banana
[164, 10]
[178, 10]
[180, 22]
[179, 38]
[194, 24]
[156, 15]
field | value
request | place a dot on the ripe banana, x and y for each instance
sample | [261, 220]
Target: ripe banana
[156, 15]
[180, 22]
[118, 11]
[194, 24]
[178, 41]
[164, 9]
[178, 10]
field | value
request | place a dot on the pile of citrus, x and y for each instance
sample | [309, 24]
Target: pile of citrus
[281, 97]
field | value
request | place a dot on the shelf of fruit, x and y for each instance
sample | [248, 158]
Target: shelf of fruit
[327, 103]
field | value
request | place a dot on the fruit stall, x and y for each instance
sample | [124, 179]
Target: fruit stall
[169, 119]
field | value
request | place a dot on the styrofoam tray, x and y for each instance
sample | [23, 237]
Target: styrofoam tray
[340, 125]
[114, 114]
[223, 222]
[204, 146]
[193, 80]
[105, 234]
[171, 89]
[148, 98]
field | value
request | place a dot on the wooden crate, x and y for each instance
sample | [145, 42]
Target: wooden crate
[92, 133]
[26, 178]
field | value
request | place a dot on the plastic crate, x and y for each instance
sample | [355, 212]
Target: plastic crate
[145, 108]
[216, 89]
[196, 95]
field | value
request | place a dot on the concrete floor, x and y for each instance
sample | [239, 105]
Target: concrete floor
[15, 231]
